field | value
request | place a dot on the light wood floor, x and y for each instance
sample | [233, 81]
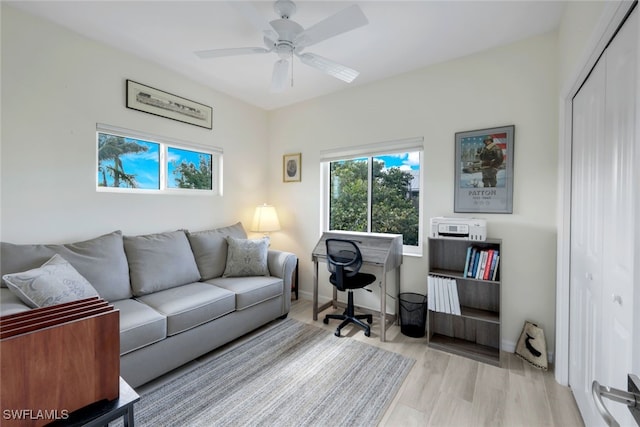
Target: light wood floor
[444, 389]
[448, 390]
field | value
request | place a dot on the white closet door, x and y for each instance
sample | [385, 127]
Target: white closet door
[587, 207]
[603, 218]
[619, 215]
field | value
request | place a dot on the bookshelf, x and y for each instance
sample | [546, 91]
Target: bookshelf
[475, 333]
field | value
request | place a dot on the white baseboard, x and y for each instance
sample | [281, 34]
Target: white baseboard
[305, 295]
[508, 346]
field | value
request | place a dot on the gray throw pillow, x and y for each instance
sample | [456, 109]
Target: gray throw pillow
[160, 261]
[247, 257]
[56, 282]
[210, 248]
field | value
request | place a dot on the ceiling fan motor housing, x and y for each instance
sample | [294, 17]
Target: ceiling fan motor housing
[287, 32]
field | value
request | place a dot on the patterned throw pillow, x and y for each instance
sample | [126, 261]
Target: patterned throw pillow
[54, 283]
[247, 257]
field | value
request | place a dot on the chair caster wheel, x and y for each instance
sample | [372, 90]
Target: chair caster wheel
[369, 320]
[325, 321]
[367, 333]
[337, 333]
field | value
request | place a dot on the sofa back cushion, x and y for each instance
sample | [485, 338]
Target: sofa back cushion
[102, 261]
[210, 248]
[160, 261]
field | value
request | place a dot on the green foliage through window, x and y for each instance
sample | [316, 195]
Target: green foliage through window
[189, 169]
[393, 192]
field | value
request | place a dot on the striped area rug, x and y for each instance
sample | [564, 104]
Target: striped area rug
[293, 374]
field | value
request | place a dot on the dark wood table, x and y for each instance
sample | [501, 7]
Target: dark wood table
[101, 413]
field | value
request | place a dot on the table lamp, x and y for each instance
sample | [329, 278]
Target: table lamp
[265, 219]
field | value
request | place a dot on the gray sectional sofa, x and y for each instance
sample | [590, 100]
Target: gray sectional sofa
[180, 294]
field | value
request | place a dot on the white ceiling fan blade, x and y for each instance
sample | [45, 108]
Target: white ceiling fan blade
[252, 15]
[330, 67]
[280, 75]
[217, 53]
[346, 20]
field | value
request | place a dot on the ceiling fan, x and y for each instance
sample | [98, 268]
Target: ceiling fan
[288, 38]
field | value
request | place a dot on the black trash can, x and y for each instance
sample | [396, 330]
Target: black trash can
[413, 314]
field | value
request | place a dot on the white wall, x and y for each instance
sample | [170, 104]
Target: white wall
[515, 84]
[56, 85]
[574, 34]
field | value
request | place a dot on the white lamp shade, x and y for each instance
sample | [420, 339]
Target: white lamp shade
[265, 219]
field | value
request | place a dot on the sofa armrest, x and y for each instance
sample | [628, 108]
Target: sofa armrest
[281, 264]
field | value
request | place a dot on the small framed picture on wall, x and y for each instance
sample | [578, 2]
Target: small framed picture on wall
[292, 167]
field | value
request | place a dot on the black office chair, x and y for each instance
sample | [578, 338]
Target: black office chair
[344, 261]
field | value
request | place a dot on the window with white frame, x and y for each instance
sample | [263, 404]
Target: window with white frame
[129, 160]
[375, 188]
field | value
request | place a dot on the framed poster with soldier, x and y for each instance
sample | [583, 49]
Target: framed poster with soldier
[484, 170]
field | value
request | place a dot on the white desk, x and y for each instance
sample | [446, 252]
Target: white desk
[382, 252]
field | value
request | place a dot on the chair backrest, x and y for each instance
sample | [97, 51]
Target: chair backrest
[344, 259]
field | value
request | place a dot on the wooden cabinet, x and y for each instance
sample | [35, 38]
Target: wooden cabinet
[475, 333]
[58, 359]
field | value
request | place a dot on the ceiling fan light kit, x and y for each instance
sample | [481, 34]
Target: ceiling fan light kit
[287, 38]
[279, 78]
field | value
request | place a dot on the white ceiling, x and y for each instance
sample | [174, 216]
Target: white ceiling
[401, 36]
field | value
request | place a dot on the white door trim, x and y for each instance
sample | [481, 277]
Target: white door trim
[612, 16]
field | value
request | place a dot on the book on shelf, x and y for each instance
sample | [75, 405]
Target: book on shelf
[444, 292]
[481, 263]
[455, 300]
[466, 261]
[443, 295]
[440, 296]
[490, 264]
[487, 267]
[494, 266]
[449, 292]
[437, 299]
[431, 295]
[474, 267]
[436, 294]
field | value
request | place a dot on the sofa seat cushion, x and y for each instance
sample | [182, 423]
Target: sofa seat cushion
[190, 305]
[10, 303]
[250, 290]
[140, 325]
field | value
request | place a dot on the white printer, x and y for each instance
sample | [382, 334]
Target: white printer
[458, 228]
